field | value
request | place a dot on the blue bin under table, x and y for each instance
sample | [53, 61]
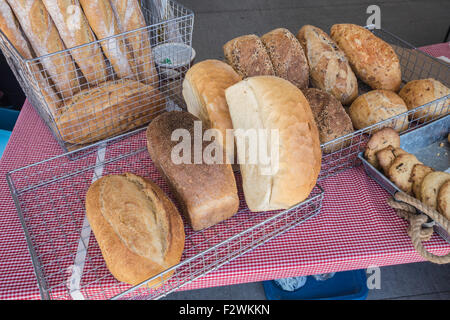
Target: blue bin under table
[8, 118]
[346, 285]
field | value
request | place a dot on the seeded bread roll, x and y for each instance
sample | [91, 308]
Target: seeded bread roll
[287, 56]
[138, 229]
[332, 120]
[248, 56]
[373, 60]
[378, 141]
[328, 66]
[443, 200]
[378, 105]
[419, 92]
[206, 192]
[271, 106]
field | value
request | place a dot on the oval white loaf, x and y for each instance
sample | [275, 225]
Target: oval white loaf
[271, 103]
[138, 229]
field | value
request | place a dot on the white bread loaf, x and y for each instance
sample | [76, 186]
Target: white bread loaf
[268, 102]
[204, 92]
[75, 31]
[138, 229]
[129, 17]
[11, 28]
[44, 38]
[104, 24]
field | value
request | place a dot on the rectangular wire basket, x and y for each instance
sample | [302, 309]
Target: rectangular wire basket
[146, 66]
[342, 153]
[50, 199]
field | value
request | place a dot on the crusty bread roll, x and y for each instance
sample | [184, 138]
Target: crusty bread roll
[206, 192]
[419, 92]
[287, 56]
[280, 109]
[443, 199]
[329, 68]
[378, 105]
[103, 22]
[11, 28]
[373, 60]
[138, 229]
[248, 56]
[44, 38]
[331, 118]
[74, 30]
[109, 109]
[430, 186]
[204, 92]
[129, 17]
[378, 141]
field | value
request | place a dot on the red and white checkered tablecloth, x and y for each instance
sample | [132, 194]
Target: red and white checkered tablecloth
[355, 229]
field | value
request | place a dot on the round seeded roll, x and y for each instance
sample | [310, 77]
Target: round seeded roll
[332, 120]
[378, 105]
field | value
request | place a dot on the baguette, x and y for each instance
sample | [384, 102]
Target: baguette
[129, 17]
[328, 66]
[74, 31]
[44, 38]
[271, 105]
[109, 109]
[206, 192]
[11, 28]
[104, 24]
[138, 229]
[287, 56]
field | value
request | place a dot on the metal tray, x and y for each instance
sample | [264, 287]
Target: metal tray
[414, 64]
[50, 200]
[430, 145]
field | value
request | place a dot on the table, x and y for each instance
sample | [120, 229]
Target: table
[355, 229]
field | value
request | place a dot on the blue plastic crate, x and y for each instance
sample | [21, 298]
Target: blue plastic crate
[346, 285]
[8, 118]
[4, 137]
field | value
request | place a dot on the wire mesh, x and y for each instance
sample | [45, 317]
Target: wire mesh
[342, 153]
[50, 198]
[73, 90]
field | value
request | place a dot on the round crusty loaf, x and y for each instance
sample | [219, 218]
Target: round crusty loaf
[332, 120]
[328, 67]
[430, 187]
[287, 56]
[378, 105]
[400, 171]
[443, 200]
[419, 92]
[138, 229]
[419, 172]
[373, 60]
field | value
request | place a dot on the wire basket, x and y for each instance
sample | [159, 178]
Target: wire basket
[50, 199]
[130, 63]
[342, 153]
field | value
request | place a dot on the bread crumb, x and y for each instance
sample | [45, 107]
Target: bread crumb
[438, 154]
[441, 144]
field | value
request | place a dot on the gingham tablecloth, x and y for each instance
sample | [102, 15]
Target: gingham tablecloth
[355, 229]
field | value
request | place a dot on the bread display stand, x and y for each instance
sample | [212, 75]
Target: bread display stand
[50, 199]
[430, 145]
[176, 26]
[415, 64]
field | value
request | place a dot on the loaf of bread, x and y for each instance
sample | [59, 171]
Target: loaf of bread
[138, 229]
[107, 110]
[331, 118]
[11, 28]
[373, 60]
[74, 30]
[43, 36]
[273, 107]
[204, 92]
[378, 105]
[287, 56]
[248, 56]
[129, 17]
[103, 22]
[443, 199]
[419, 92]
[206, 191]
[328, 67]
[384, 138]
